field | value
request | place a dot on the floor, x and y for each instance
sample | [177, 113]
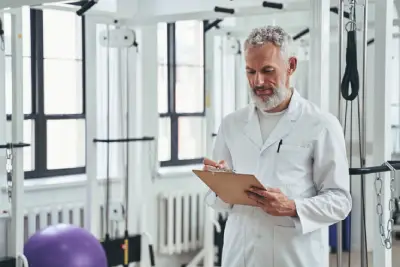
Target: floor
[355, 258]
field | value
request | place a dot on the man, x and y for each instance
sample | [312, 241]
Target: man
[297, 152]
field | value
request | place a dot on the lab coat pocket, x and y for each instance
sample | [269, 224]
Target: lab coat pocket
[292, 163]
[293, 249]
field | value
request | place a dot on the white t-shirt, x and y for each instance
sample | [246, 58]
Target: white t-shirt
[268, 121]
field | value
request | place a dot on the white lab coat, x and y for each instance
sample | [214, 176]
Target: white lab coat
[311, 168]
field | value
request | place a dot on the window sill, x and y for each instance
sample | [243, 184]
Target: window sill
[80, 179]
[178, 171]
[57, 182]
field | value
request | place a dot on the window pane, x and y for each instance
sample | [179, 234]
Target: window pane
[189, 42]
[62, 34]
[164, 139]
[27, 85]
[189, 89]
[65, 144]
[162, 89]
[191, 137]
[26, 32]
[29, 139]
[162, 43]
[62, 86]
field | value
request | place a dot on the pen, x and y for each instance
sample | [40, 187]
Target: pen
[279, 146]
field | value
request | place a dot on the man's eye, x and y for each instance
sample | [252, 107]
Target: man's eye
[268, 70]
[251, 72]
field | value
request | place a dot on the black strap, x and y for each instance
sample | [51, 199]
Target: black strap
[351, 77]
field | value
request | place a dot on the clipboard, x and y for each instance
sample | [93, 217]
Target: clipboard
[230, 187]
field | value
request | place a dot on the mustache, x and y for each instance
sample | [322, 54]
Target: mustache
[262, 87]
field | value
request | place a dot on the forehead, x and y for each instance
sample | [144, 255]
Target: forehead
[258, 56]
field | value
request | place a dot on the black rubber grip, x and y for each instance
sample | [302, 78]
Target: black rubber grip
[224, 10]
[272, 5]
[152, 262]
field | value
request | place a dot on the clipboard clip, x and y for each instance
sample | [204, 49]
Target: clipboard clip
[216, 170]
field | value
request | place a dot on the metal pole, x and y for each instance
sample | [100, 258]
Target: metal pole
[364, 256]
[339, 225]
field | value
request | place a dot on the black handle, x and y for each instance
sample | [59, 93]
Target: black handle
[375, 169]
[13, 145]
[272, 5]
[224, 10]
[152, 262]
[85, 7]
[124, 140]
[209, 26]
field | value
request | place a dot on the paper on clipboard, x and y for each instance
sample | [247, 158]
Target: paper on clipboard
[230, 186]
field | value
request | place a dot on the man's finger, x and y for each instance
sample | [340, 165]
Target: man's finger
[222, 164]
[210, 162]
[275, 190]
[256, 197]
[259, 191]
[271, 196]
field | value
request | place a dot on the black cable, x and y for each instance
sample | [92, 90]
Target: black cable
[349, 89]
[108, 137]
[362, 185]
[127, 152]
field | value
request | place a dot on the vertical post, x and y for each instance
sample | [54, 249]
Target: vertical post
[209, 91]
[339, 225]
[319, 73]
[319, 57]
[4, 203]
[17, 208]
[210, 120]
[92, 214]
[135, 149]
[382, 147]
[147, 62]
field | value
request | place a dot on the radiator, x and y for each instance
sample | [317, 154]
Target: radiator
[181, 221]
[38, 218]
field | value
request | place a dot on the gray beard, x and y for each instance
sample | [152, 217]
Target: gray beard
[280, 95]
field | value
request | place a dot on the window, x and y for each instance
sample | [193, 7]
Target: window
[54, 110]
[181, 94]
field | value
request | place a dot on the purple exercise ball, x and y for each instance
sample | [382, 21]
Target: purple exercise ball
[64, 245]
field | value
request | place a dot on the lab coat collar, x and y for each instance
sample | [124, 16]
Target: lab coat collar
[285, 125]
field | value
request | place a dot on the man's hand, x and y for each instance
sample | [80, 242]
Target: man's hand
[210, 165]
[273, 201]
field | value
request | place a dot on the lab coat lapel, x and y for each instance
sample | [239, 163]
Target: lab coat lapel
[286, 123]
[252, 128]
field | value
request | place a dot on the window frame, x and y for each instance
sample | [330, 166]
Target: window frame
[37, 115]
[171, 87]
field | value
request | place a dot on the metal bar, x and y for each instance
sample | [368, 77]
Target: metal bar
[339, 226]
[375, 169]
[363, 254]
[17, 206]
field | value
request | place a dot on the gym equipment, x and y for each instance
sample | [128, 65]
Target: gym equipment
[13, 211]
[64, 245]
[126, 250]
[349, 88]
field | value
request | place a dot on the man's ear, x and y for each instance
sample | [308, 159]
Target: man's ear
[292, 65]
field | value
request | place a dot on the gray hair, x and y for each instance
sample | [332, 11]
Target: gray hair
[271, 34]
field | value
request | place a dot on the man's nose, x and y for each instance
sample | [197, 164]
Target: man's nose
[259, 79]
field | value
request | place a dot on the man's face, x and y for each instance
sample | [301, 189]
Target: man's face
[268, 75]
